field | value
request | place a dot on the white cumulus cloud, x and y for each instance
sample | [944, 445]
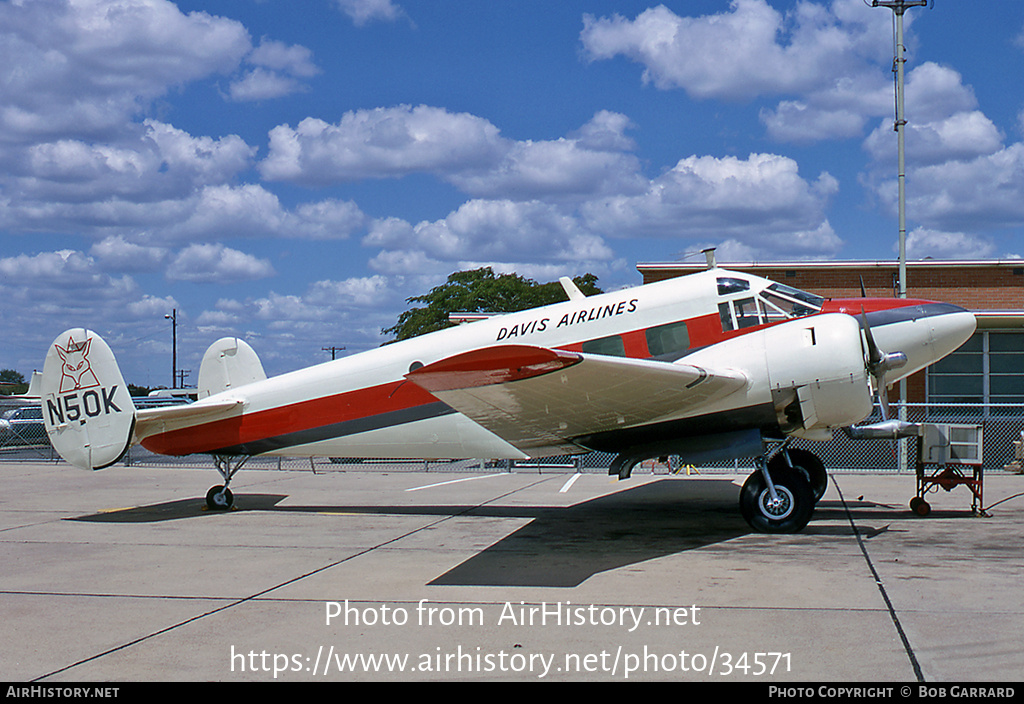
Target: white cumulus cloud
[215, 263]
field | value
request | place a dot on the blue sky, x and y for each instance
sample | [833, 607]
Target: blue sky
[291, 172]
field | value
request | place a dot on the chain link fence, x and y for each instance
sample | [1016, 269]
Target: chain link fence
[23, 438]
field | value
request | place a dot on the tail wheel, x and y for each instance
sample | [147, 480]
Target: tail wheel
[791, 509]
[219, 498]
[808, 464]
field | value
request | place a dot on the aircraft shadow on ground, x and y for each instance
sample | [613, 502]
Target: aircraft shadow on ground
[564, 546]
[559, 547]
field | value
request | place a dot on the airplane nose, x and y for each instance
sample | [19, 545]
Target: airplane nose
[952, 326]
[924, 331]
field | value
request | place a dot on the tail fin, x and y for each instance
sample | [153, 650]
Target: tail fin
[87, 410]
[229, 363]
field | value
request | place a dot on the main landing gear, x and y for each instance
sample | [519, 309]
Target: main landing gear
[220, 498]
[779, 497]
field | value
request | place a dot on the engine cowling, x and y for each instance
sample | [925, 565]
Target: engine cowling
[817, 373]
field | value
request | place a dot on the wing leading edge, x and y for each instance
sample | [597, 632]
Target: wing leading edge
[540, 399]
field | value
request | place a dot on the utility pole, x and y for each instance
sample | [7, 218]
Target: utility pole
[332, 350]
[899, 7]
[173, 317]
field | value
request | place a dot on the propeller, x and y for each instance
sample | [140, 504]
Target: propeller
[879, 363]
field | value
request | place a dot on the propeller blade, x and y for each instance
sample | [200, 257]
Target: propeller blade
[883, 396]
[875, 355]
[878, 363]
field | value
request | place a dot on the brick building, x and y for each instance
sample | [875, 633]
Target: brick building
[986, 374]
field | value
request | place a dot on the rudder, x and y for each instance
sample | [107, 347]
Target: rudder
[87, 409]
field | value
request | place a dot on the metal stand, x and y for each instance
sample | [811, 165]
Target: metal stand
[949, 456]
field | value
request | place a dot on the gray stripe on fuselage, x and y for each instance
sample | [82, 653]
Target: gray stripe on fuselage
[890, 316]
[338, 430]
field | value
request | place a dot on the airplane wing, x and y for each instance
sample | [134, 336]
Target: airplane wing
[539, 399]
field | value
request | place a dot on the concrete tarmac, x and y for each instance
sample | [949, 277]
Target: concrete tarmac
[122, 575]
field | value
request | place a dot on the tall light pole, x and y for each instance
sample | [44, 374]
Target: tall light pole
[173, 317]
[899, 7]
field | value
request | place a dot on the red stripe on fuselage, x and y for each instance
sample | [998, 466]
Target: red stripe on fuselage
[706, 330]
[853, 306]
[295, 417]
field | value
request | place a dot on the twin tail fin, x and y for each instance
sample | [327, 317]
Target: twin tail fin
[87, 409]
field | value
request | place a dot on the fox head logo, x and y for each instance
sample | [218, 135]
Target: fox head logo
[76, 371]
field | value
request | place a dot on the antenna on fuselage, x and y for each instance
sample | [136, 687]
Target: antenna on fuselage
[571, 289]
[709, 253]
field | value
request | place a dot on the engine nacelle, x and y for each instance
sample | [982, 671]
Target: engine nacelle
[817, 374]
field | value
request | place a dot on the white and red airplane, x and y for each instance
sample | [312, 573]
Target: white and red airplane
[714, 365]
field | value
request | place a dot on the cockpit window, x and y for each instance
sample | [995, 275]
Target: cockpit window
[727, 286]
[816, 302]
[774, 304]
[781, 301]
[746, 313]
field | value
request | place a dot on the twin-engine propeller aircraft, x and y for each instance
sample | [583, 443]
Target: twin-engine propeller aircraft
[715, 365]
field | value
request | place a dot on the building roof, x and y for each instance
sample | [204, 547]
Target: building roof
[844, 264]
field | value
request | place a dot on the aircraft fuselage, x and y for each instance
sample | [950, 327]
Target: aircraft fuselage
[802, 358]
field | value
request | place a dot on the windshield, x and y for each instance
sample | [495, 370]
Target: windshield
[773, 304]
[780, 301]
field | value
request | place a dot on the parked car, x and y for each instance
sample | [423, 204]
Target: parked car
[22, 426]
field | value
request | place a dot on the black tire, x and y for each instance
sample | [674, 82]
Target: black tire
[920, 507]
[219, 498]
[790, 515]
[806, 462]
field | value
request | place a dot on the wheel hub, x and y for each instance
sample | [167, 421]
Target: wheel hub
[779, 507]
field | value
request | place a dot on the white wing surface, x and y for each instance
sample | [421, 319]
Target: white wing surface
[540, 399]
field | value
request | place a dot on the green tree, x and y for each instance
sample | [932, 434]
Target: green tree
[480, 291]
[12, 382]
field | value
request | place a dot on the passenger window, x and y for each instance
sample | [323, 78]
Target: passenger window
[667, 339]
[613, 346]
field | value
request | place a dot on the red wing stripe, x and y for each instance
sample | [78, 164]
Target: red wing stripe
[491, 365]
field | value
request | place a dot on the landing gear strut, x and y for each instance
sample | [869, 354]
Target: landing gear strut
[779, 497]
[220, 498]
[806, 463]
